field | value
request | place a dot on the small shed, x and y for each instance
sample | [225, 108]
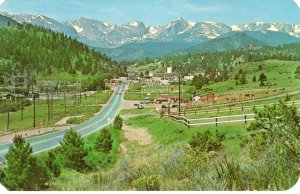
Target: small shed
[15, 97]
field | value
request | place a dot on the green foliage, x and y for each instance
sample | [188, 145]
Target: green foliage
[147, 183]
[276, 145]
[232, 174]
[73, 151]
[104, 141]
[23, 172]
[118, 122]
[261, 84]
[44, 51]
[206, 142]
[262, 77]
[52, 164]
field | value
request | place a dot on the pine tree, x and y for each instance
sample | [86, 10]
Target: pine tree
[73, 151]
[23, 172]
[52, 164]
[104, 141]
[262, 77]
[118, 122]
[254, 79]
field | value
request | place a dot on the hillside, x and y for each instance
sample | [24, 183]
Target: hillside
[234, 40]
[44, 52]
[6, 21]
[133, 51]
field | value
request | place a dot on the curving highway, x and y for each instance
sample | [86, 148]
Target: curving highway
[51, 140]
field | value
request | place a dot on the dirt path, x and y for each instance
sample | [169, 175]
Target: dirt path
[140, 135]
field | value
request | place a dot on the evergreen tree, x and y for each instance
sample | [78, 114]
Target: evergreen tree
[118, 122]
[262, 77]
[104, 141]
[73, 151]
[52, 164]
[254, 79]
[23, 172]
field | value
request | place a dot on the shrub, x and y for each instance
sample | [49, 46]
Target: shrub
[147, 183]
[118, 122]
[104, 141]
[23, 172]
[206, 142]
[72, 149]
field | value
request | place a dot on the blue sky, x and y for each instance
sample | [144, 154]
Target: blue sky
[159, 12]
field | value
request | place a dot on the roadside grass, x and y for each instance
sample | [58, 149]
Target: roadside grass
[166, 131]
[88, 108]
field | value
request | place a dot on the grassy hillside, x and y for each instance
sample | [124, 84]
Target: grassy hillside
[30, 49]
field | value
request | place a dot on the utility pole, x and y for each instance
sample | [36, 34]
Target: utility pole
[65, 97]
[51, 103]
[33, 97]
[179, 93]
[8, 109]
[21, 101]
[48, 103]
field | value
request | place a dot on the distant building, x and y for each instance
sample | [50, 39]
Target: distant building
[188, 77]
[196, 98]
[172, 99]
[15, 97]
[169, 70]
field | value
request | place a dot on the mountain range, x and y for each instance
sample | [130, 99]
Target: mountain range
[135, 40]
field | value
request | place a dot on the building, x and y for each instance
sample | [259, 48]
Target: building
[171, 99]
[15, 97]
[196, 98]
[188, 77]
[169, 70]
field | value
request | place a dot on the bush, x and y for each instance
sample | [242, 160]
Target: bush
[147, 183]
[73, 152]
[205, 142]
[118, 122]
[104, 141]
[23, 172]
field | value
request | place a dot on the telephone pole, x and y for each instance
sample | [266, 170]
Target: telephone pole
[33, 98]
[179, 93]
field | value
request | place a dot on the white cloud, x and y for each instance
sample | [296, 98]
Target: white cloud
[1, 2]
[298, 3]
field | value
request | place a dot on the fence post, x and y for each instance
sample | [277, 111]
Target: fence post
[293, 103]
[206, 111]
[195, 112]
[245, 119]
[230, 109]
[216, 122]
[242, 108]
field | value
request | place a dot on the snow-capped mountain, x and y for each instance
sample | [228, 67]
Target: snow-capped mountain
[44, 21]
[291, 29]
[174, 35]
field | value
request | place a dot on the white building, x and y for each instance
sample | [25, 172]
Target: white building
[169, 70]
[188, 77]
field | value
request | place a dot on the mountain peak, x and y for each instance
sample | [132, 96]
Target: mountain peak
[136, 24]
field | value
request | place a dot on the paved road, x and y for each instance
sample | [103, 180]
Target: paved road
[48, 141]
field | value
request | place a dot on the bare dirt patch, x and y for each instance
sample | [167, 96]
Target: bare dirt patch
[140, 135]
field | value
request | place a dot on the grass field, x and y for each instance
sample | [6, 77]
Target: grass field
[87, 108]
